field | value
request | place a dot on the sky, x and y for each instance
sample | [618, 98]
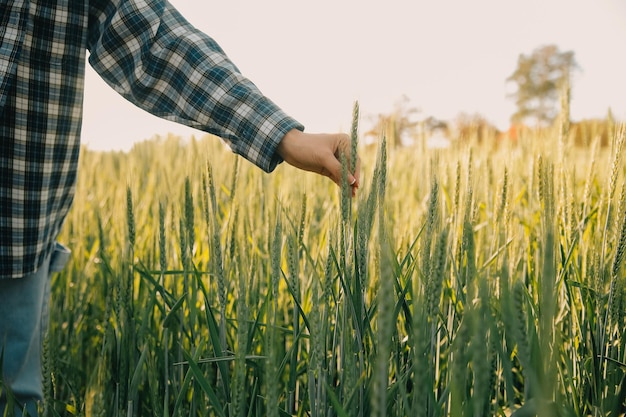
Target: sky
[316, 58]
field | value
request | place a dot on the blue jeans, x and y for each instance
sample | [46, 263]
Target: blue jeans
[24, 309]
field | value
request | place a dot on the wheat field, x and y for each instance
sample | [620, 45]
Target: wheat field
[475, 280]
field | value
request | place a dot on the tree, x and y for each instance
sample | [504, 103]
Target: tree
[399, 126]
[540, 77]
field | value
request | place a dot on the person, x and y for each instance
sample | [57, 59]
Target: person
[147, 52]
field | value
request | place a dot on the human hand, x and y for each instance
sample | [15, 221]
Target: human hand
[319, 153]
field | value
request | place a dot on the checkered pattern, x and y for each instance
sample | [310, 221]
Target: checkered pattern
[148, 53]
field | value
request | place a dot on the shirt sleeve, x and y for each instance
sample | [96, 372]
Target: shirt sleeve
[147, 52]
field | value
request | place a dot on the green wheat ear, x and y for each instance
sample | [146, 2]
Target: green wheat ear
[162, 240]
[189, 214]
[182, 243]
[436, 275]
[504, 196]
[457, 190]
[130, 216]
[354, 136]
[345, 191]
[621, 248]
[618, 146]
[432, 216]
[380, 174]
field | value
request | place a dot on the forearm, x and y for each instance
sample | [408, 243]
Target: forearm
[157, 60]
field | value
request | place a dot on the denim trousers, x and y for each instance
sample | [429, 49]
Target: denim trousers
[24, 309]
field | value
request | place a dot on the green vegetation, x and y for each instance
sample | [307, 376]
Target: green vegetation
[469, 281]
[541, 78]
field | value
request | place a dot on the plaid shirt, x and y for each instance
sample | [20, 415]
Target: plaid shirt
[147, 52]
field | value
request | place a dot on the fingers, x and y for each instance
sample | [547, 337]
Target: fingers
[342, 149]
[320, 153]
[357, 173]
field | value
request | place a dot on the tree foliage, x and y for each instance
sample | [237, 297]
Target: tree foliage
[539, 78]
[399, 126]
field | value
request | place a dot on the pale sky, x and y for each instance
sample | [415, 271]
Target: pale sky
[315, 58]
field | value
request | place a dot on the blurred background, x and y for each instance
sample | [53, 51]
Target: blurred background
[434, 62]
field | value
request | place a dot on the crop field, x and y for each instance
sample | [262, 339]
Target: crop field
[476, 280]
